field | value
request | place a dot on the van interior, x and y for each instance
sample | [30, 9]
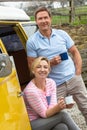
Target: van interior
[15, 48]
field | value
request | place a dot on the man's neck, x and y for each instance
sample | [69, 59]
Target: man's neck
[46, 33]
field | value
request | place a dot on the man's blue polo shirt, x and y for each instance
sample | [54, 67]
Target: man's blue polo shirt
[59, 42]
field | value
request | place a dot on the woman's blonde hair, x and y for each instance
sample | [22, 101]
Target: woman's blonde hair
[37, 61]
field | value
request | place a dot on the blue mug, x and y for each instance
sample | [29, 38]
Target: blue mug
[64, 56]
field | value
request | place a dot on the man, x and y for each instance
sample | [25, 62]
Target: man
[51, 43]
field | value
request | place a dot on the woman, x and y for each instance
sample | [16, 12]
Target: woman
[44, 111]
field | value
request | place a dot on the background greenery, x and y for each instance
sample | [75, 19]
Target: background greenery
[61, 16]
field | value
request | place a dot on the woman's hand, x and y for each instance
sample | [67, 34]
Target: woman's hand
[61, 103]
[70, 105]
[57, 108]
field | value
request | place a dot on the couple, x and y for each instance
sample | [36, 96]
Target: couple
[50, 43]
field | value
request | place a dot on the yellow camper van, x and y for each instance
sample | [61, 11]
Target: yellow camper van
[15, 28]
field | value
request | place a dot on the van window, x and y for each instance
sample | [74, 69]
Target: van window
[29, 29]
[10, 39]
[12, 42]
[15, 48]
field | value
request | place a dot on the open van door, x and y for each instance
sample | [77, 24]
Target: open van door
[15, 28]
[13, 114]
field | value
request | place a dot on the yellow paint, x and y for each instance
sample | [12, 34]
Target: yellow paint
[2, 47]
[13, 115]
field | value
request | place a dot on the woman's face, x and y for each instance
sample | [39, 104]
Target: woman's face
[41, 70]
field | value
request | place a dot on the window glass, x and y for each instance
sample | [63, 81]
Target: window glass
[12, 42]
[29, 29]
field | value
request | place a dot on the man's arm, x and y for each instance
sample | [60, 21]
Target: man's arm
[30, 60]
[56, 60]
[77, 59]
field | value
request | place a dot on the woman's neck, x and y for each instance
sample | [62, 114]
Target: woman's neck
[40, 83]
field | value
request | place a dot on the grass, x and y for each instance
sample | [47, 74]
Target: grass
[64, 18]
[58, 20]
[32, 18]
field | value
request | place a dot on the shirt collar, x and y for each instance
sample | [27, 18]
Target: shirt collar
[43, 37]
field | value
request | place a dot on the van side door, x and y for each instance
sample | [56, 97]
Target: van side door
[13, 114]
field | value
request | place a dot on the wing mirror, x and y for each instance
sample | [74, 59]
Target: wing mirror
[5, 65]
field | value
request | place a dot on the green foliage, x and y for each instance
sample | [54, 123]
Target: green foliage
[32, 18]
[62, 16]
[58, 20]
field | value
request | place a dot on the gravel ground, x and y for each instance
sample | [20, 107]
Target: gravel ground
[78, 118]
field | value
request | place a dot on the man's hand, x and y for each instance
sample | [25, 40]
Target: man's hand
[56, 60]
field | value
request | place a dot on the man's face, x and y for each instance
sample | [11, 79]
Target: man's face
[43, 21]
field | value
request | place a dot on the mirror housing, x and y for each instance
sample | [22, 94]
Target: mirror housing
[5, 65]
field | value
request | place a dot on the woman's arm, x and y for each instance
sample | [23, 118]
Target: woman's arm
[40, 108]
[36, 103]
[30, 60]
[57, 108]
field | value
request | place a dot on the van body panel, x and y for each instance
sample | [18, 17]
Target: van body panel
[13, 114]
[14, 33]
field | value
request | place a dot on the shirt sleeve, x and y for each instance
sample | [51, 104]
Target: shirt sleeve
[53, 94]
[68, 40]
[30, 48]
[36, 103]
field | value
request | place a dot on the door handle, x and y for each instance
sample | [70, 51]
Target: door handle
[19, 94]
